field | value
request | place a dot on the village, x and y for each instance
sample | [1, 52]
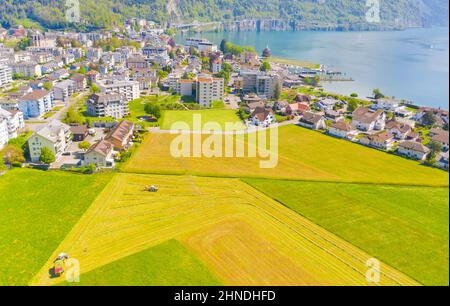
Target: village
[68, 99]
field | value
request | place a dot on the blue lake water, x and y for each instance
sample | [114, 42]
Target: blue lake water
[411, 64]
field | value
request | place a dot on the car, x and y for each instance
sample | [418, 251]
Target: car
[66, 154]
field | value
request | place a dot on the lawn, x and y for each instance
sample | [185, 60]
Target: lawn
[219, 116]
[37, 210]
[406, 227]
[167, 264]
[302, 155]
[240, 235]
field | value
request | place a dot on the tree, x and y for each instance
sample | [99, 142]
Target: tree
[47, 156]
[153, 109]
[429, 119]
[48, 86]
[377, 94]
[352, 105]
[354, 95]
[265, 66]
[84, 145]
[223, 45]
[435, 148]
[12, 155]
[278, 90]
[94, 88]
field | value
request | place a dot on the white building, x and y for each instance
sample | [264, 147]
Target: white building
[56, 136]
[14, 121]
[209, 90]
[27, 69]
[100, 154]
[130, 89]
[366, 119]
[107, 105]
[262, 117]
[36, 103]
[342, 129]
[412, 149]
[261, 83]
[5, 75]
[185, 87]
[64, 90]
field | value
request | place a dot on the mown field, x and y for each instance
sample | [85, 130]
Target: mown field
[37, 210]
[167, 264]
[407, 227]
[241, 236]
[302, 155]
[218, 116]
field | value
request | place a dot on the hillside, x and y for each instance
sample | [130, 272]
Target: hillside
[342, 14]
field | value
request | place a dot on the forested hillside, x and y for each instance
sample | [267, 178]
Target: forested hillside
[101, 13]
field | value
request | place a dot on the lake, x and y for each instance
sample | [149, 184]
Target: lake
[411, 64]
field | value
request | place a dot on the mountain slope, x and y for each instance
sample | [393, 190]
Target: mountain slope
[99, 13]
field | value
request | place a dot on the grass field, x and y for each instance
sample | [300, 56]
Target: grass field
[407, 227]
[240, 235]
[220, 116]
[37, 210]
[303, 155]
[167, 264]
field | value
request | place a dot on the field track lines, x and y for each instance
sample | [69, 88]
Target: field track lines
[223, 221]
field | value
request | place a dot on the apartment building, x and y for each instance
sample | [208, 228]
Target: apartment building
[208, 90]
[64, 90]
[130, 89]
[27, 69]
[56, 136]
[36, 103]
[107, 105]
[10, 124]
[261, 83]
[5, 75]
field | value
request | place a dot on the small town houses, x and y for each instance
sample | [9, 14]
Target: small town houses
[413, 150]
[262, 117]
[343, 129]
[55, 136]
[366, 119]
[313, 121]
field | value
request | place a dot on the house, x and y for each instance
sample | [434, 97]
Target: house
[27, 69]
[442, 160]
[36, 103]
[92, 76]
[185, 87]
[440, 116]
[64, 90]
[327, 104]
[80, 82]
[79, 132]
[399, 130]
[366, 119]
[382, 140]
[442, 139]
[216, 65]
[130, 89]
[107, 105]
[412, 149]
[299, 108]
[56, 136]
[342, 129]
[386, 105]
[333, 115]
[313, 121]
[121, 135]
[262, 117]
[100, 154]
[302, 98]
[208, 90]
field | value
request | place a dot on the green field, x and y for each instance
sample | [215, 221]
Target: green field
[406, 227]
[220, 116]
[302, 155]
[37, 210]
[167, 264]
